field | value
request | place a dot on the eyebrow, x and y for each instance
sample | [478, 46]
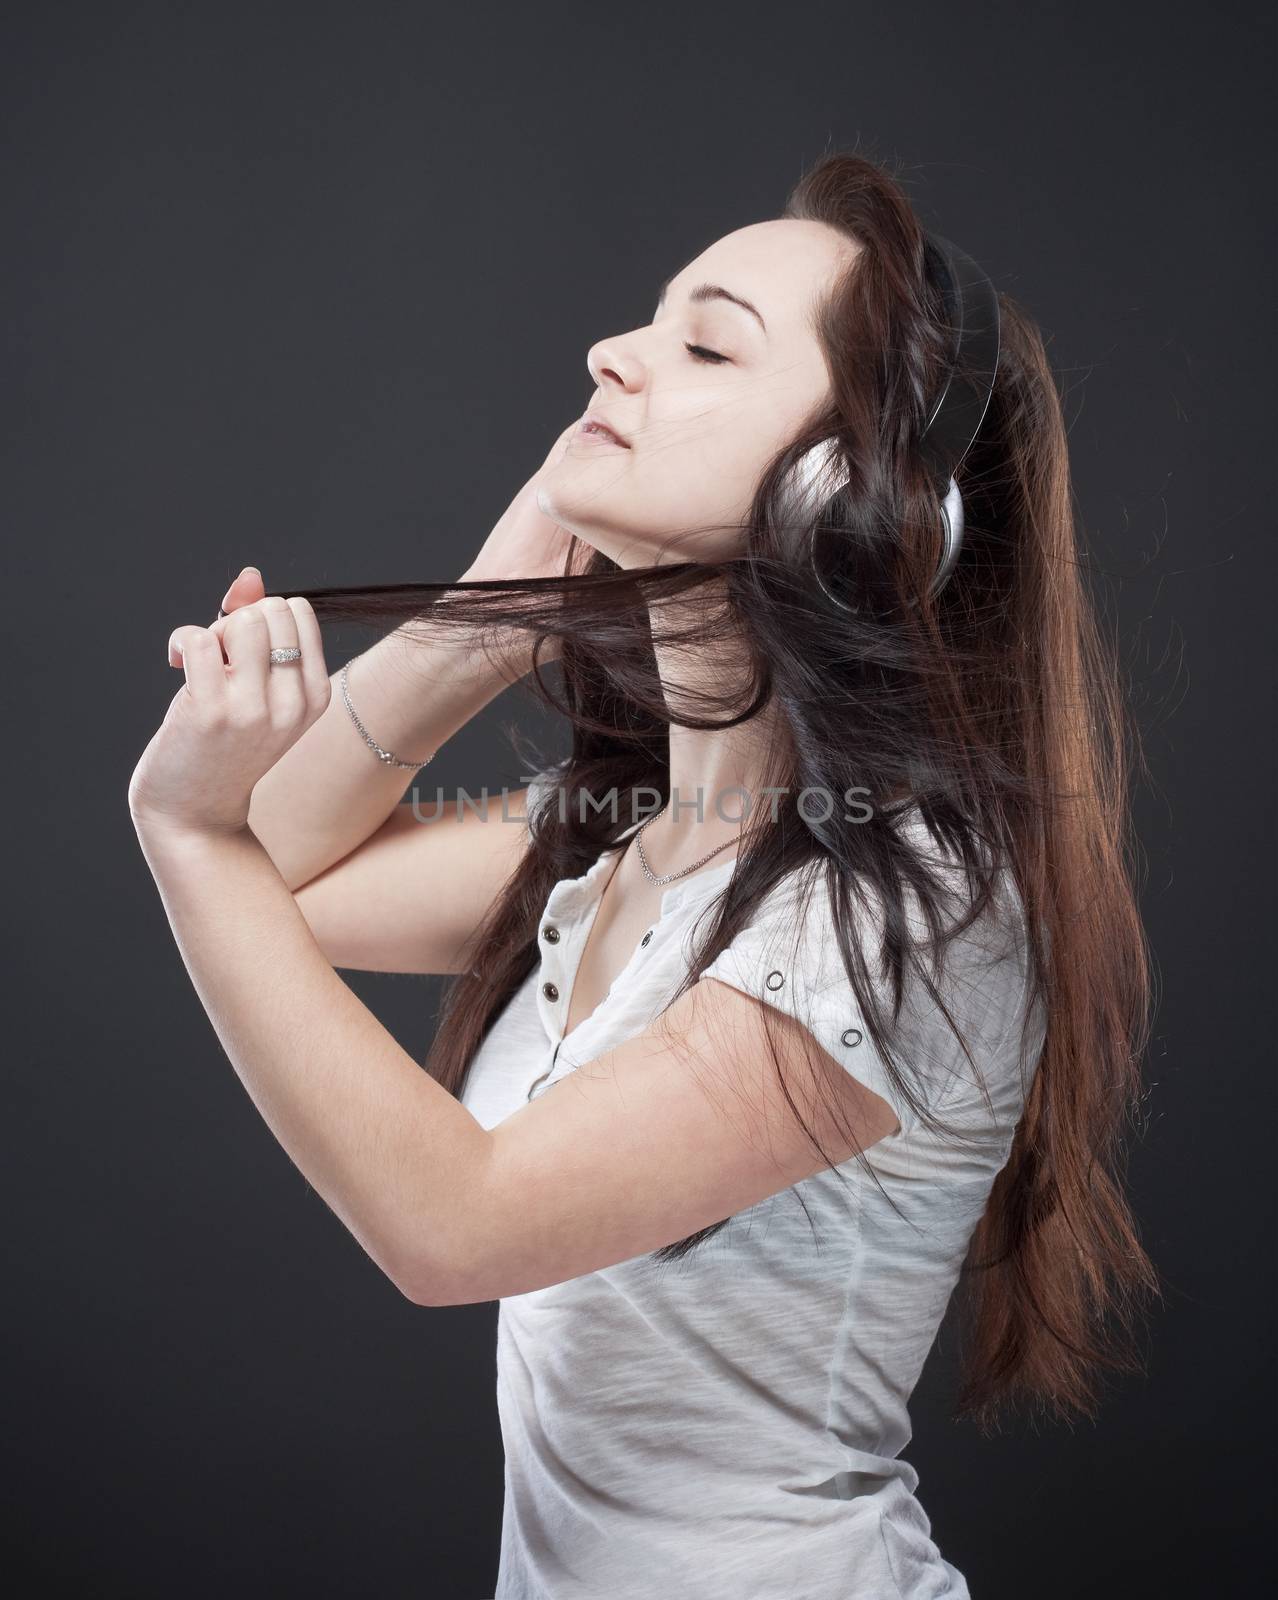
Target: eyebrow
[715, 291]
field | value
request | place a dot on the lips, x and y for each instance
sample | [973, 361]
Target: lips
[592, 422]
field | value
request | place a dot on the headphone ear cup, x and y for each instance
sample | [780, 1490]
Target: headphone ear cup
[813, 481]
[953, 523]
[811, 510]
[810, 507]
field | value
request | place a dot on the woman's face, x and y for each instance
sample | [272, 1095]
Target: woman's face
[699, 431]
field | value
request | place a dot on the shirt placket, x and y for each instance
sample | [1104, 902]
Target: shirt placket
[560, 937]
[557, 939]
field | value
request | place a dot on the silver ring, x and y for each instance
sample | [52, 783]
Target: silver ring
[279, 657]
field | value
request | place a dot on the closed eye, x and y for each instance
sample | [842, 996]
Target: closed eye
[700, 353]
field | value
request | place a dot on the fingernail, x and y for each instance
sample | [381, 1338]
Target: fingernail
[258, 570]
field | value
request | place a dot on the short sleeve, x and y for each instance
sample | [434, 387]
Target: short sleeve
[789, 958]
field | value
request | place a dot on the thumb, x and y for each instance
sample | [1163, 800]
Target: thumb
[246, 587]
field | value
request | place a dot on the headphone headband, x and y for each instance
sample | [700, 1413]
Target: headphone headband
[971, 303]
[972, 315]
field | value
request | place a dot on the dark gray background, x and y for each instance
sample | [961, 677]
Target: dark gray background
[312, 286]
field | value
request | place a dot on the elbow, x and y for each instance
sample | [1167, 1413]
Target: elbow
[419, 1284]
[419, 1291]
[449, 1288]
[440, 1288]
[416, 1280]
[449, 1261]
[428, 1283]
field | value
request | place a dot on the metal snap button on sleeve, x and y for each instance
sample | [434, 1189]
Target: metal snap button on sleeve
[778, 976]
[852, 1036]
[550, 990]
[646, 937]
[550, 935]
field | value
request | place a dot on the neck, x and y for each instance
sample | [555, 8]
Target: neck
[716, 776]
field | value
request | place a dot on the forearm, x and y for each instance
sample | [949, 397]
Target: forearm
[329, 791]
[391, 1152]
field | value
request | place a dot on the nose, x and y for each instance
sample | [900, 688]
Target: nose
[613, 365]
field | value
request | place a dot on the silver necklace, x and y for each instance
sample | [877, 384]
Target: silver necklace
[669, 877]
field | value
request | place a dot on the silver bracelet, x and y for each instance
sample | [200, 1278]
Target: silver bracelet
[384, 756]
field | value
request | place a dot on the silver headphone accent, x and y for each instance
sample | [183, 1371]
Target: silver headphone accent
[959, 409]
[820, 474]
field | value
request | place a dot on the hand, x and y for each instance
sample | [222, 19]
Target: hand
[246, 587]
[526, 543]
[234, 716]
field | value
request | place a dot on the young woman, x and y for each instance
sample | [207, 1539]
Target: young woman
[810, 986]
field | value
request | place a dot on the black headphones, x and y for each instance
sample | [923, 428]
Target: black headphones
[971, 312]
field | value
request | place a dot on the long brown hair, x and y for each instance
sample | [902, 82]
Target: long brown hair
[997, 707]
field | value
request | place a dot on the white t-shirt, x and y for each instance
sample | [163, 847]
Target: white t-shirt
[729, 1426]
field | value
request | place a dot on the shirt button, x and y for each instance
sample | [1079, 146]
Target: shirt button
[646, 937]
[852, 1036]
[550, 935]
[550, 991]
[774, 980]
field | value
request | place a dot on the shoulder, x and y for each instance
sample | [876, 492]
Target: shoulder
[790, 957]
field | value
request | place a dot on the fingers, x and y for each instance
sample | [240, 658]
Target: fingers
[246, 587]
[249, 637]
[314, 669]
[200, 656]
[286, 684]
[233, 655]
[218, 627]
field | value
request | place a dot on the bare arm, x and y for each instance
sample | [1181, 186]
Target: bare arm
[410, 898]
[329, 793]
[611, 1162]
